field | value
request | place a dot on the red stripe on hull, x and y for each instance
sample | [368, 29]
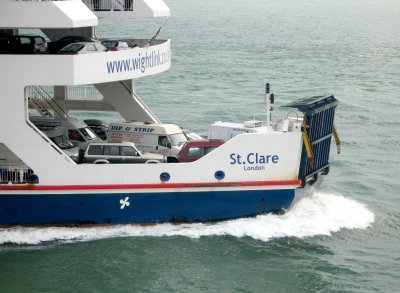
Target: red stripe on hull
[148, 186]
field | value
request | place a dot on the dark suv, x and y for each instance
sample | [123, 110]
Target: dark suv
[22, 44]
[98, 127]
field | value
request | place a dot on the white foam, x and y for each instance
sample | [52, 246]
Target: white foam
[321, 214]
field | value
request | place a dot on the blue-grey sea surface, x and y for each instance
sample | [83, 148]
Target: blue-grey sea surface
[344, 238]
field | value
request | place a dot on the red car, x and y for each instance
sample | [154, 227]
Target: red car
[194, 150]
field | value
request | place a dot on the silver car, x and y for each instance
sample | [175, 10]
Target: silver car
[83, 48]
[57, 136]
[119, 153]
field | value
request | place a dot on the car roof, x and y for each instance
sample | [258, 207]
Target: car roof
[117, 41]
[19, 36]
[77, 37]
[53, 132]
[94, 122]
[204, 142]
[124, 143]
[74, 46]
[80, 43]
[29, 35]
[61, 121]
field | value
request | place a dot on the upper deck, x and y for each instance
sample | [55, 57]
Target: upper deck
[74, 13]
[92, 68]
[75, 17]
[45, 14]
[128, 8]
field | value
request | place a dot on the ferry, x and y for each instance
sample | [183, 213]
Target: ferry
[262, 167]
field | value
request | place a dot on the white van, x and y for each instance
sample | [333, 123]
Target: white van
[226, 130]
[76, 130]
[165, 139]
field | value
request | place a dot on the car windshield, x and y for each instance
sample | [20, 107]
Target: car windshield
[89, 134]
[72, 48]
[62, 142]
[177, 139]
[39, 41]
[100, 47]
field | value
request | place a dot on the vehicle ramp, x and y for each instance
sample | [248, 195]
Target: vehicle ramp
[318, 129]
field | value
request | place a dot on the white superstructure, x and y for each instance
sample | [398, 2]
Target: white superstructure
[252, 172]
[112, 73]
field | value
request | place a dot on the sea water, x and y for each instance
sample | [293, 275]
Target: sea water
[343, 238]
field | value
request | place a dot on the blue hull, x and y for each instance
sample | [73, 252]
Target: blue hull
[123, 208]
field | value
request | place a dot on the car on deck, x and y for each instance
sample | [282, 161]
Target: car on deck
[194, 150]
[58, 137]
[119, 153]
[98, 127]
[118, 45]
[83, 48]
[22, 44]
[56, 46]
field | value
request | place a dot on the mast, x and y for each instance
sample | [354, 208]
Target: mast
[269, 99]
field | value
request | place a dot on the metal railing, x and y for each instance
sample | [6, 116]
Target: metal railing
[100, 5]
[109, 5]
[45, 101]
[84, 92]
[17, 175]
